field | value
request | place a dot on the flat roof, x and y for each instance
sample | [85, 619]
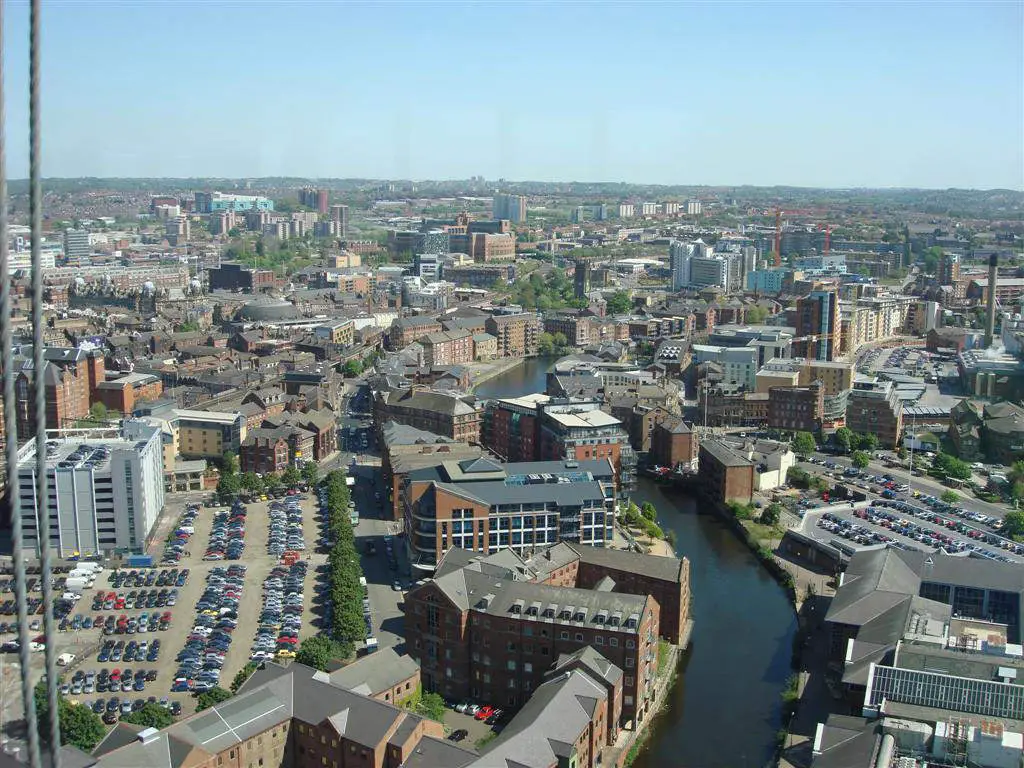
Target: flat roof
[215, 416]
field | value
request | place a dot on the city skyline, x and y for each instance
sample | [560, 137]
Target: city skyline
[827, 96]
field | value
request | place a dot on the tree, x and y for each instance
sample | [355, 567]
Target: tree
[843, 439]
[229, 486]
[648, 511]
[243, 674]
[545, 344]
[867, 442]
[619, 303]
[79, 725]
[318, 652]
[861, 459]
[1013, 524]
[151, 716]
[931, 259]
[310, 472]
[291, 477]
[951, 466]
[98, 412]
[798, 478]
[771, 514]
[432, 705]
[211, 698]
[251, 482]
[950, 497]
[228, 463]
[803, 443]
[272, 482]
[352, 368]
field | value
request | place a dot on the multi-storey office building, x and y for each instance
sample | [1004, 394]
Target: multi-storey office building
[874, 407]
[818, 325]
[103, 495]
[485, 506]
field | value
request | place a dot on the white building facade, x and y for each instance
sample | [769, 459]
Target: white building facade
[104, 496]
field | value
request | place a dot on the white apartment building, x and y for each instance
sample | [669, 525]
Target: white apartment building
[103, 495]
[680, 254]
[627, 210]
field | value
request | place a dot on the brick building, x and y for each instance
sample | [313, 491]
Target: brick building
[576, 329]
[724, 474]
[491, 628]
[874, 407]
[265, 450]
[447, 348]
[288, 716]
[516, 333]
[436, 412]
[796, 409]
[405, 330]
[674, 443]
[71, 378]
[121, 395]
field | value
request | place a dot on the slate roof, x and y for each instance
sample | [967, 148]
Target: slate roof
[439, 753]
[545, 730]
[375, 672]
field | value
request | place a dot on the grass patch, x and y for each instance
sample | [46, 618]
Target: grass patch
[663, 653]
[483, 741]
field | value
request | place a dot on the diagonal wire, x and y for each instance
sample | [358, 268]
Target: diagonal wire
[42, 499]
[11, 447]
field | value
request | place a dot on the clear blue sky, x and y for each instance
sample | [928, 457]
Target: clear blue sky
[927, 94]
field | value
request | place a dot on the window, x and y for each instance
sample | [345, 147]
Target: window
[564, 635]
[511, 666]
[629, 661]
[579, 637]
[527, 667]
[631, 644]
[629, 681]
[613, 642]
[598, 640]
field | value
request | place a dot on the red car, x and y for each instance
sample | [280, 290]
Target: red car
[484, 712]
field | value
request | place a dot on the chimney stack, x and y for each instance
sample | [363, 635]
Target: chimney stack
[990, 326]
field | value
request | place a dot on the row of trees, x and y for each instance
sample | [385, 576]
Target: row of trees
[645, 518]
[79, 725]
[232, 482]
[344, 570]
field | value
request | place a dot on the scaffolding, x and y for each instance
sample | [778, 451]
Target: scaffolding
[956, 742]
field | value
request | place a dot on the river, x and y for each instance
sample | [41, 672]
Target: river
[724, 710]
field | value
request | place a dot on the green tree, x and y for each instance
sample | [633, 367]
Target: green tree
[1016, 473]
[771, 514]
[229, 486]
[648, 511]
[952, 466]
[843, 439]
[291, 477]
[150, 716]
[79, 725]
[860, 459]
[1013, 524]
[546, 344]
[560, 340]
[243, 674]
[798, 478]
[931, 259]
[252, 482]
[310, 472]
[432, 706]
[619, 303]
[803, 443]
[318, 652]
[228, 463]
[867, 442]
[950, 497]
[272, 481]
[352, 368]
[211, 698]
[98, 412]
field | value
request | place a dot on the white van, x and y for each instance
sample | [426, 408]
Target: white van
[64, 659]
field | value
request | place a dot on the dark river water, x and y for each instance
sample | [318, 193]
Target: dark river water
[724, 709]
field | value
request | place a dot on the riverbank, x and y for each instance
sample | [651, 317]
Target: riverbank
[491, 369]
